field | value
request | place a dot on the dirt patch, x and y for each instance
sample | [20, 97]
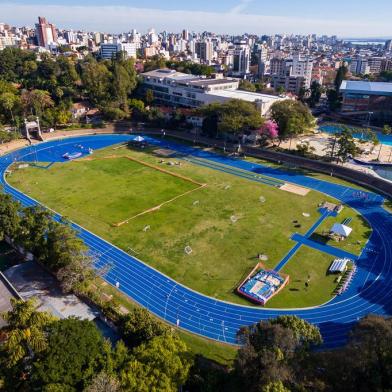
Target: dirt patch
[164, 152]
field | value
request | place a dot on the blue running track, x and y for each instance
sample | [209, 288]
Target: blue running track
[336, 252]
[324, 214]
[370, 291]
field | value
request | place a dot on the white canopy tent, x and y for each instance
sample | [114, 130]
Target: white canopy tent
[342, 230]
[138, 139]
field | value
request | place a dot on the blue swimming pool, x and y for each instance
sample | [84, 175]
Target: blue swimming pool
[332, 129]
[385, 172]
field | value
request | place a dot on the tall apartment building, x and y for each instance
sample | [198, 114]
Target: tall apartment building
[45, 32]
[375, 64]
[359, 65]
[292, 74]
[386, 64]
[185, 35]
[263, 63]
[204, 50]
[278, 67]
[241, 59]
[302, 67]
[388, 46]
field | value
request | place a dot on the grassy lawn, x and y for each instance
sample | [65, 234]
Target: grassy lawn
[358, 237]
[306, 262]
[388, 205]
[97, 193]
[109, 190]
[218, 352]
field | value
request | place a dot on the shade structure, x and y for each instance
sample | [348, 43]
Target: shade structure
[341, 230]
[138, 139]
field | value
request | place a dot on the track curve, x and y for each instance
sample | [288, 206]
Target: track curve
[370, 291]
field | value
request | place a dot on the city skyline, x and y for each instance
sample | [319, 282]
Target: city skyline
[231, 17]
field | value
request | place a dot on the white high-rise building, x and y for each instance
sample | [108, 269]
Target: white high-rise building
[302, 66]
[152, 37]
[241, 59]
[109, 51]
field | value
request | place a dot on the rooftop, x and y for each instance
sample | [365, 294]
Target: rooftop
[212, 82]
[363, 87]
[245, 95]
[31, 280]
[170, 74]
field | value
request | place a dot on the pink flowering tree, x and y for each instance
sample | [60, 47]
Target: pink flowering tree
[269, 130]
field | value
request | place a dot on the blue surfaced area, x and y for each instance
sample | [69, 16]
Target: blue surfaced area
[370, 291]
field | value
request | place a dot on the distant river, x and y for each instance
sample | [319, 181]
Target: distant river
[365, 43]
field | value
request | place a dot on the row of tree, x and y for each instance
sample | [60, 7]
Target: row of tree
[54, 244]
[236, 117]
[40, 352]
[48, 88]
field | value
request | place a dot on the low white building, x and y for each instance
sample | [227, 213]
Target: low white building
[179, 89]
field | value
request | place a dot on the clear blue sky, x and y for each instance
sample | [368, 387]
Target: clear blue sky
[357, 18]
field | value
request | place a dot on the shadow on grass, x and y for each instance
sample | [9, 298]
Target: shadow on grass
[321, 239]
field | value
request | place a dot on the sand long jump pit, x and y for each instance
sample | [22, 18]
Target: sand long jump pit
[296, 189]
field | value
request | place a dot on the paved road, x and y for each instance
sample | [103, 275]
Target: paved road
[370, 291]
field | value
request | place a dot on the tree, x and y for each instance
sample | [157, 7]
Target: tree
[96, 80]
[340, 76]
[233, 117]
[334, 99]
[140, 326]
[12, 62]
[270, 348]
[247, 86]
[276, 386]
[149, 96]
[269, 130]
[36, 101]
[162, 364]
[315, 93]
[365, 363]
[346, 145]
[293, 118]
[56, 116]
[25, 330]
[9, 216]
[8, 101]
[138, 108]
[33, 229]
[66, 256]
[72, 357]
[103, 382]
[124, 82]
[307, 334]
